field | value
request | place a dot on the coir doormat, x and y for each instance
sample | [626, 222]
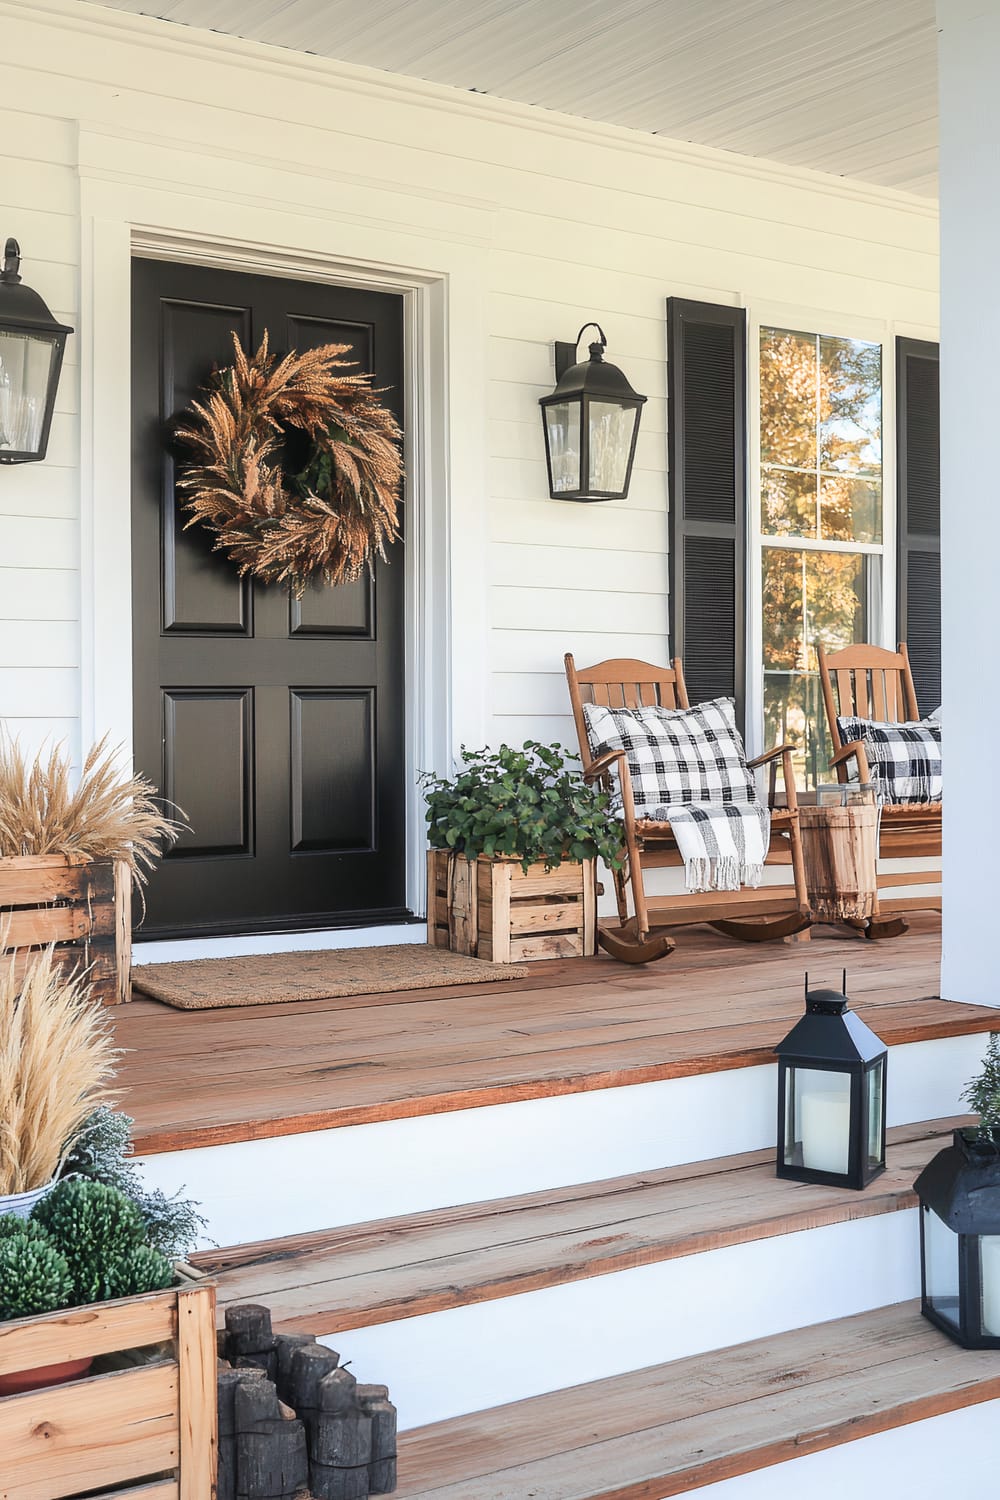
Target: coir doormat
[275, 978]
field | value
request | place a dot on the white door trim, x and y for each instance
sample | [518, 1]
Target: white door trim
[445, 544]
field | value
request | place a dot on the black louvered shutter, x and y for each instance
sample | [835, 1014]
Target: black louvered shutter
[706, 382]
[918, 480]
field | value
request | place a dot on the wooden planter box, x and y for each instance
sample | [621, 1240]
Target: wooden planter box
[489, 908]
[83, 906]
[154, 1422]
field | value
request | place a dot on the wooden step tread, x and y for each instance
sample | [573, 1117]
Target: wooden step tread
[331, 1280]
[671, 1428]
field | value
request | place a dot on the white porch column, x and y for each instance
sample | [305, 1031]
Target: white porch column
[970, 494]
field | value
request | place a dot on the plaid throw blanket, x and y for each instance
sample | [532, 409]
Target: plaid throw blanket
[688, 767]
[904, 760]
[723, 844]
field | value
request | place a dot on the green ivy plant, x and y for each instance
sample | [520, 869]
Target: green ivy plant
[982, 1093]
[530, 804]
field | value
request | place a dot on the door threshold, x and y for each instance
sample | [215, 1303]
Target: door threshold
[385, 934]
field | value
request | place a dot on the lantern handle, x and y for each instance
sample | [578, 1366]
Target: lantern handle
[11, 262]
[604, 342]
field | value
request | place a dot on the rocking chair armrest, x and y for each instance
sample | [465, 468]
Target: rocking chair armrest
[603, 763]
[854, 751]
[600, 767]
[771, 758]
[773, 754]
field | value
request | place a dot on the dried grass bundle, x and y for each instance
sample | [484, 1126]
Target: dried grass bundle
[57, 1061]
[104, 816]
[330, 520]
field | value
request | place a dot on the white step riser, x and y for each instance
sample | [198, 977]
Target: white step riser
[254, 1190]
[954, 1454]
[469, 1358]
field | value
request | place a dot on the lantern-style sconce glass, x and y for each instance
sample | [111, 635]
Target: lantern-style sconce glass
[591, 423]
[831, 1096]
[31, 353]
[959, 1193]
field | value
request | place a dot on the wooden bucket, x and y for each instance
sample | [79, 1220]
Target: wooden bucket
[839, 848]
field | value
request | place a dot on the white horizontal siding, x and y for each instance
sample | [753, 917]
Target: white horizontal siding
[562, 222]
[39, 508]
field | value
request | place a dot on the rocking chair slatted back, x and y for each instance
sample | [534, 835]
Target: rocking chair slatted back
[623, 682]
[866, 682]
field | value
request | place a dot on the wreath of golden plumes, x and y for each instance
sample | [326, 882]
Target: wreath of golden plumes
[327, 521]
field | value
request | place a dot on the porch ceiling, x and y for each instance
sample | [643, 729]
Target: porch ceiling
[843, 86]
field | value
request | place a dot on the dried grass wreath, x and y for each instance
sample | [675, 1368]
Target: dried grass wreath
[330, 519]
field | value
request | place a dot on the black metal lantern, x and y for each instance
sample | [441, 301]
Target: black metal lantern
[591, 423]
[31, 354]
[831, 1095]
[959, 1194]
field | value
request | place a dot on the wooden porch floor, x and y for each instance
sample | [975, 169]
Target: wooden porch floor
[209, 1077]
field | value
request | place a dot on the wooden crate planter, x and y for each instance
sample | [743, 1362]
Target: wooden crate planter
[152, 1424]
[489, 908]
[82, 906]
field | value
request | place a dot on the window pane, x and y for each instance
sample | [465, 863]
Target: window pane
[807, 596]
[989, 1280]
[810, 596]
[787, 503]
[562, 424]
[794, 715]
[850, 406]
[818, 1120]
[611, 428]
[851, 509]
[787, 398]
[941, 1264]
[875, 1084]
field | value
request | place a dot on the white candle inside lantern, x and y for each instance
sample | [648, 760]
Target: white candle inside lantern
[825, 1120]
[989, 1250]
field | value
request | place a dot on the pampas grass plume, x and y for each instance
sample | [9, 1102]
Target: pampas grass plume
[105, 815]
[57, 1062]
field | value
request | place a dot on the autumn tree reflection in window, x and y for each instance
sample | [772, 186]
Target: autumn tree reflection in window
[820, 522]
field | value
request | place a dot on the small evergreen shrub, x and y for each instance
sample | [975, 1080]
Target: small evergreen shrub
[982, 1093]
[141, 1269]
[173, 1225]
[34, 1277]
[11, 1225]
[530, 804]
[95, 1227]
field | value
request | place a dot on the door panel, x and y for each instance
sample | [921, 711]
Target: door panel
[333, 809]
[276, 724]
[218, 809]
[348, 610]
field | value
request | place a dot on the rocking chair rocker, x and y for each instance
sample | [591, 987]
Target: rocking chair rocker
[641, 936]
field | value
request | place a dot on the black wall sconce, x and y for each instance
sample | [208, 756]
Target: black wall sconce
[591, 423]
[31, 355]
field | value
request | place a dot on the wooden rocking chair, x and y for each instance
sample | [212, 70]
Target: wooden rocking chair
[752, 915]
[868, 682]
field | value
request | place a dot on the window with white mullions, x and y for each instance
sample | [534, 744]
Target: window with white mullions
[819, 523]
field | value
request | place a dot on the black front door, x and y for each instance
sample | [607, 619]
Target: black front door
[277, 726]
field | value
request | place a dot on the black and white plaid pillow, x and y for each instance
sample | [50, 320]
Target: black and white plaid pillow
[675, 755]
[904, 759]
